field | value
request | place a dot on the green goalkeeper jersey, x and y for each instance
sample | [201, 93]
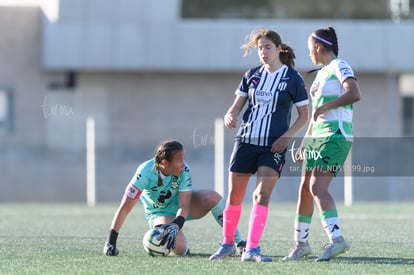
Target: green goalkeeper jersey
[158, 197]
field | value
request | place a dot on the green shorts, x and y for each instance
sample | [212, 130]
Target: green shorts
[328, 153]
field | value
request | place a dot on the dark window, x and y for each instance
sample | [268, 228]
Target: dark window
[299, 9]
[408, 116]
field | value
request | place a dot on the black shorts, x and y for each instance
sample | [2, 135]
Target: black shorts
[246, 158]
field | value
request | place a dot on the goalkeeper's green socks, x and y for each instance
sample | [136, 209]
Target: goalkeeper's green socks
[217, 212]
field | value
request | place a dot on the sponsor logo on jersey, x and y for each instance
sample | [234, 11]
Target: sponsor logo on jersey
[346, 71]
[263, 97]
[163, 198]
[263, 93]
[189, 183]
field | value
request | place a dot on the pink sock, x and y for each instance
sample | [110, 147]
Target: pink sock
[258, 218]
[231, 217]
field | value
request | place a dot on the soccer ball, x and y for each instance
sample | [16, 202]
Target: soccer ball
[152, 245]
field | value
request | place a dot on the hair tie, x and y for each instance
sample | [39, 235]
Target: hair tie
[321, 39]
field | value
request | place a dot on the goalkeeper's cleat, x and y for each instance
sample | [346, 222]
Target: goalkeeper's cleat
[240, 247]
[223, 251]
[254, 255]
[300, 250]
[338, 246]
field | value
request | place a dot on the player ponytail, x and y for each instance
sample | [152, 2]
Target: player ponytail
[287, 55]
[327, 38]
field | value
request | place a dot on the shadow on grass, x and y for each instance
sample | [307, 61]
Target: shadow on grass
[365, 260]
[341, 259]
[377, 260]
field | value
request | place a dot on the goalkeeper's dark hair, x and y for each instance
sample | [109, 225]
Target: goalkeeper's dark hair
[166, 151]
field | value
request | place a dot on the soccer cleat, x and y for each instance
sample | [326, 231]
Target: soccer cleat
[300, 250]
[338, 246]
[223, 251]
[254, 255]
[240, 247]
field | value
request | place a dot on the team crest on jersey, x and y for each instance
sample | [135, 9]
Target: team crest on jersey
[314, 88]
[282, 86]
[174, 183]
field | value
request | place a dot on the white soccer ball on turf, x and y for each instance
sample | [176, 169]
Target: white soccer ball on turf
[152, 245]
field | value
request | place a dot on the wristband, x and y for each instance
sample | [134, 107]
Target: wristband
[179, 221]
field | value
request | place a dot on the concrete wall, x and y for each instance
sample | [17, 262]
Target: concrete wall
[151, 35]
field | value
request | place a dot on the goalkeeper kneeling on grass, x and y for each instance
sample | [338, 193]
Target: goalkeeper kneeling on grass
[163, 184]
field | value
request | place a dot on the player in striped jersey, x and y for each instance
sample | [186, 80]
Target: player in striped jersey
[329, 138]
[270, 91]
[164, 186]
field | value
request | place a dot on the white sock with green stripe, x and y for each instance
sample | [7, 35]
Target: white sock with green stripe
[302, 228]
[330, 222]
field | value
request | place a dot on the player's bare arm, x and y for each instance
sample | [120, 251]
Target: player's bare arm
[230, 118]
[299, 153]
[352, 94]
[127, 204]
[184, 204]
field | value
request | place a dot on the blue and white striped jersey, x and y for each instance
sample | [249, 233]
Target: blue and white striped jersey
[271, 96]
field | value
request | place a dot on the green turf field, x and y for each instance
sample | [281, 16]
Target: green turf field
[68, 239]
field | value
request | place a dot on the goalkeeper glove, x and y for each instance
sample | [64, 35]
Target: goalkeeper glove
[168, 234]
[110, 245]
[110, 249]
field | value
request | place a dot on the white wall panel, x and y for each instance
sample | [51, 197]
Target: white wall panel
[150, 35]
